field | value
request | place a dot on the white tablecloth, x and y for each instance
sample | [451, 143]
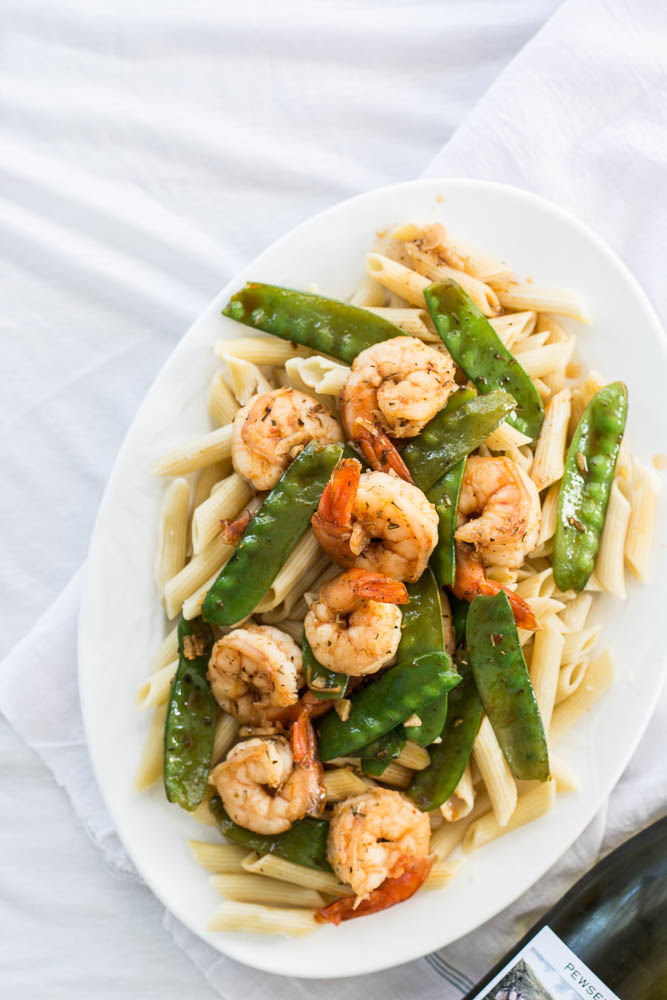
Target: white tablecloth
[147, 150]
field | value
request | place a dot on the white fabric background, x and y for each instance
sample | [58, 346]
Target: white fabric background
[147, 150]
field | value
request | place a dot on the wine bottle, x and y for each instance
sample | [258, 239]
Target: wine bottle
[606, 939]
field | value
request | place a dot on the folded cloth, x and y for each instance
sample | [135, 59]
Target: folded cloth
[581, 117]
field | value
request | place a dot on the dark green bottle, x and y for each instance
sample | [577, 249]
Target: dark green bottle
[605, 939]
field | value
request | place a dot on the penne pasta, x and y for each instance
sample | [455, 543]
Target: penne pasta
[203, 814]
[342, 783]
[575, 613]
[580, 644]
[369, 293]
[172, 532]
[545, 360]
[539, 584]
[155, 689]
[207, 480]
[205, 450]
[226, 731]
[549, 515]
[442, 872]
[643, 512]
[496, 775]
[462, 799]
[258, 350]
[218, 858]
[244, 378]
[413, 756]
[455, 252]
[530, 806]
[262, 919]
[245, 888]
[166, 651]
[428, 263]
[519, 296]
[610, 560]
[210, 560]
[150, 765]
[549, 458]
[396, 775]
[570, 677]
[545, 668]
[397, 278]
[513, 327]
[448, 836]
[582, 395]
[305, 555]
[565, 778]
[222, 405]
[192, 605]
[597, 680]
[286, 871]
[318, 374]
[414, 322]
[506, 438]
[293, 599]
[224, 503]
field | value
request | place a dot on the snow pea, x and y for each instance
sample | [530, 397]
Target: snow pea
[378, 755]
[445, 497]
[323, 683]
[477, 348]
[504, 686]
[381, 705]
[586, 484]
[305, 843]
[422, 632]
[459, 609]
[271, 535]
[190, 724]
[433, 786]
[326, 325]
[465, 422]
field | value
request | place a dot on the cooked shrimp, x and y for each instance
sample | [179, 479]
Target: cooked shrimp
[253, 670]
[504, 532]
[375, 521]
[355, 627]
[265, 785]
[375, 836]
[503, 508]
[271, 430]
[393, 390]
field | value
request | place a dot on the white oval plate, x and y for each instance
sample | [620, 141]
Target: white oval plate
[121, 620]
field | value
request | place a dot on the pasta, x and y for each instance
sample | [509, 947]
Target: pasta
[262, 687]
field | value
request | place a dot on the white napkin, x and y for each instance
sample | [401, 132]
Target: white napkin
[581, 117]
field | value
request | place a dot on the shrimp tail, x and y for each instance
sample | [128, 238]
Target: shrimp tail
[332, 521]
[471, 580]
[304, 752]
[382, 454]
[392, 891]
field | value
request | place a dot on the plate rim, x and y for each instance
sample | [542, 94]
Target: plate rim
[508, 190]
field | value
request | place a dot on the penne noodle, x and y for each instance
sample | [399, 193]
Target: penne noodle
[529, 343]
[427, 263]
[397, 278]
[506, 438]
[575, 613]
[208, 479]
[413, 756]
[643, 512]
[448, 836]
[496, 775]
[293, 599]
[293, 628]
[155, 689]
[166, 651]
[462, 799]
[530, 806]
[396, 775]
[286, 871]
[304, 556]
[192, 605]
[202, 813]
[262, 919]
[414, 322]
[455, 252]
[549, 515]
[599, 677]
[513, 327]
[570, 677]
[610, 558]
[549, 458]
[582, 395]
[205, 450]
[442, 872]
[218, 858]
[545, 668]
[519, 296]
[342, 783]
[210, 560]
[258, 350]
[368, 294]
[150, 765]
[565, 778]
[172, 532]
[224, 503]
[222, 405]
[579, 644]
[244, 378]
[537, 584]
[226, 731]
[544, 360]
[245, 888]
[318, 374]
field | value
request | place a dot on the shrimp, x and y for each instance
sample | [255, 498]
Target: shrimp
[355, 627]
[254, 670]
[503, 534]
[265, 784]
[393, 390]
[271, 430]
[376, 836]
[375, 521]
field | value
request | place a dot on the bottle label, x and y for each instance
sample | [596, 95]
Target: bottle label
[546, 969]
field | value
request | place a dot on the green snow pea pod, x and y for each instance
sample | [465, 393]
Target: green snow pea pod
[323, 683]
[382, 704]
[190, 724]
[459, 610]
[378, 755]
[422, 632]
[305, 843]
[477, 348]
[271, 535]
[465, 422]
[433, 786]
[586, 484]
[326, 325]
[504, 686]
[445, 497]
